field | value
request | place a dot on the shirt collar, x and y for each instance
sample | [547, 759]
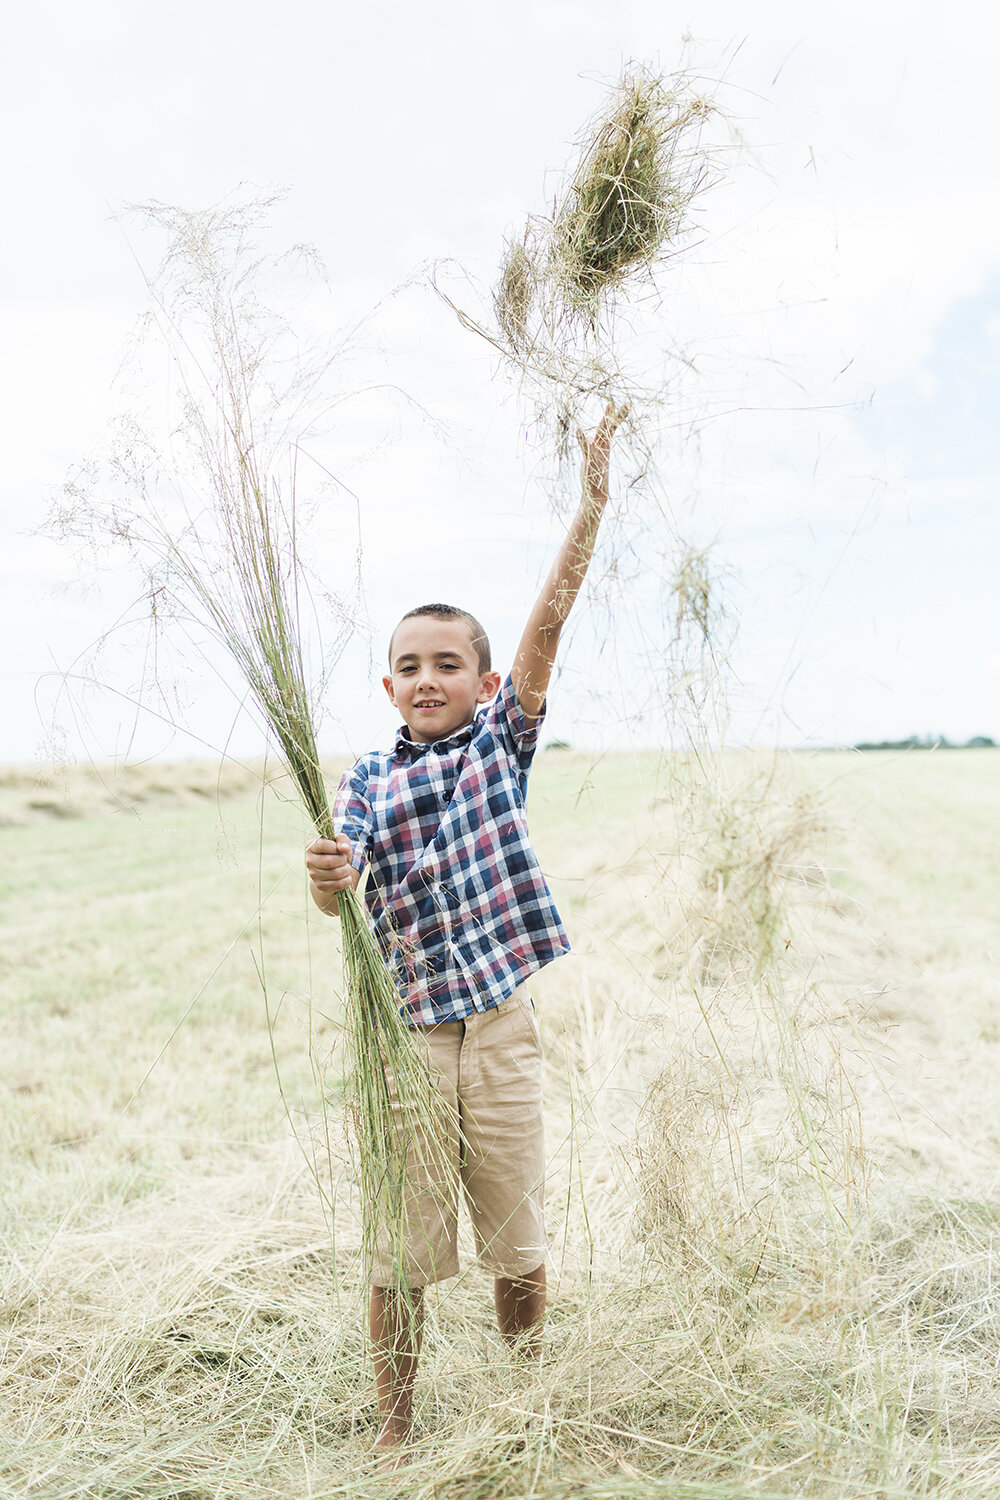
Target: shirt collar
[415, 748]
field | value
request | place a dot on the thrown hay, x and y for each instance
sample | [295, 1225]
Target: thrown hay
[623, 212]
[514, 295]
[625, 202]
[639, 168]
[693, 591]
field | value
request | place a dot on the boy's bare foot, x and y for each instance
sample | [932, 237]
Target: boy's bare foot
[395, 1324]
[391, 1449]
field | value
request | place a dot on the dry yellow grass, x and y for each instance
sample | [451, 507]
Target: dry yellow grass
[771, 1106]
[34, 794]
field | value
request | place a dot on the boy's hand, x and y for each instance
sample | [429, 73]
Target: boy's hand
[597, 450]
[330, 871]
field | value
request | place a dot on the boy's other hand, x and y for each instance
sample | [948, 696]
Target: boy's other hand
[330, 870]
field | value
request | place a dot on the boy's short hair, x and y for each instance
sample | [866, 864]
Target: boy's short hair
[451, 612]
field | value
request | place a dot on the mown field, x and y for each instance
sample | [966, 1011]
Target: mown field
[774, 1133]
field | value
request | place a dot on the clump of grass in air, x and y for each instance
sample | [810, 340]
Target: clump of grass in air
[623, 211]
[694, 595]
[231, 559]
[514, 294]
[626, 202]
[749, 840]
[620, 206]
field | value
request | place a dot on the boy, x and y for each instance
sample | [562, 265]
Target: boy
[464, 916]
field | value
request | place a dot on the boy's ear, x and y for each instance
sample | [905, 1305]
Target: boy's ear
[489, 686]
[387, 684]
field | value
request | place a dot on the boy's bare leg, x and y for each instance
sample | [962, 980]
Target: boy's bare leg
[520, 1305]
[395, 1329]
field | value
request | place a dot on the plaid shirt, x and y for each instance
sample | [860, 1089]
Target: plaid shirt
[457, 897]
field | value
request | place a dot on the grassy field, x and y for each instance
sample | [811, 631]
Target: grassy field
[774, 1132]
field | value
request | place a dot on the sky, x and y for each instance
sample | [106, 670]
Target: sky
[831, 432]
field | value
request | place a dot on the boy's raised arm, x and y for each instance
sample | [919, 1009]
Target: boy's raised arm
[537, 651]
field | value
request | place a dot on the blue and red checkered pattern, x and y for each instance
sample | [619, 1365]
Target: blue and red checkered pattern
[456, 895]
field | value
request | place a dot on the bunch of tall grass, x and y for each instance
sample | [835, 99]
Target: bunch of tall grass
[233, 563]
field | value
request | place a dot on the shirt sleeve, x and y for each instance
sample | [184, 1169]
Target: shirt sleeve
[352, 813]
[512, 726]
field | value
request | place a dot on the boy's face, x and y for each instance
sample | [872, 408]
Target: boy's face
[435, 680]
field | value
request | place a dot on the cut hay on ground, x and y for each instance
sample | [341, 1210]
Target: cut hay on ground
[774, 1201]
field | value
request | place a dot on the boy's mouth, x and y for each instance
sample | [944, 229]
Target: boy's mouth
[429, 708]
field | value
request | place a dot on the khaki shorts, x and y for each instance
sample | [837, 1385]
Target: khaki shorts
[489, 1068]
